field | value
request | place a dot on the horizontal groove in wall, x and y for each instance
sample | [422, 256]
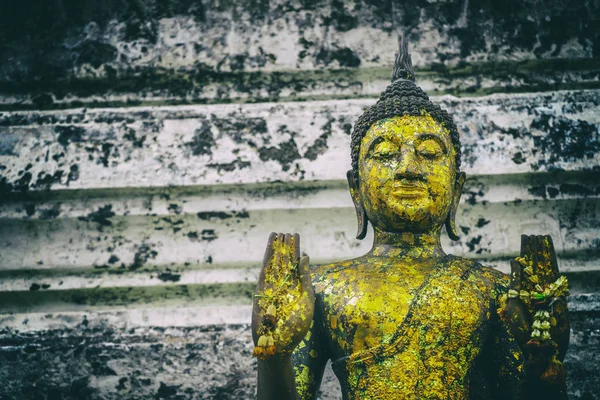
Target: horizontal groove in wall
[58, 280]
[175, 296]
[175, 315]
[129, 297]
[164, 319]
[581, 262]
[230, 199]
[153, 87]
[133, 242]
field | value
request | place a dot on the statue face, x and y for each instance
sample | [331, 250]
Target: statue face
[407, 174]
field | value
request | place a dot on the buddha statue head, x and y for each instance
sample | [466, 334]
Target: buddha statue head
[406, 156]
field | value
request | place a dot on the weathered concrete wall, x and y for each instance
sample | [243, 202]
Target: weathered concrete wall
[210, 362]
[67, 38]
[147, 148]
[138, 51]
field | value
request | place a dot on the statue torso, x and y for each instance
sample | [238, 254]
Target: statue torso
[405, 331]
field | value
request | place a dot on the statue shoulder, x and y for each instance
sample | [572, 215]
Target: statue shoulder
[498, 280]
[326, 274]
[319, 272]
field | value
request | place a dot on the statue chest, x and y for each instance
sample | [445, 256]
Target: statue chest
[441, 314]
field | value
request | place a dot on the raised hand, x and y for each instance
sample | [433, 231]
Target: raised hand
[284, 300]
[536, 308]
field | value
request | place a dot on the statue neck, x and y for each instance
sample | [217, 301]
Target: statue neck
[417, 246]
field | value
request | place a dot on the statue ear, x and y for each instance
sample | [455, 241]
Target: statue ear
[450, 224]
[361, 215]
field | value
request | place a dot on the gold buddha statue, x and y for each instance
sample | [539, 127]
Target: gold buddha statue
[406, 320]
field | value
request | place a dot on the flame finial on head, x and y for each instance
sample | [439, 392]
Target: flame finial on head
[403, 68]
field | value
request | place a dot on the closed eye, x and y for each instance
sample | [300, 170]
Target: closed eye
[384, 150]
[430, 148]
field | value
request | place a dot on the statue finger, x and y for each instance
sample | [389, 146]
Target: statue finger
[543, 258]
[526, 260]
[516, 270]
[276, 271]
[549, 249]
[542, 268]
[524, 245]
[535, 253]
[296, 248]
[266, 265]
[269, 249]
[266, 269]
[304, 275]
[286, 254]
[540, 264]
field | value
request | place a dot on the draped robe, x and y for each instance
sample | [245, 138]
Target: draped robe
[440, 339]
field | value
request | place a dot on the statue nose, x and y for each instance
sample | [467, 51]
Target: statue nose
[408, 165]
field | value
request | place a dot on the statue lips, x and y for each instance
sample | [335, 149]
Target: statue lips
[409, 191]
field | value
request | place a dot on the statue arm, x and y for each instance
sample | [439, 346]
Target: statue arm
[508, 361]
[285, 325]
[276, 379]
[308, 361]
[534, 310]
[519, 367]
[296, 376]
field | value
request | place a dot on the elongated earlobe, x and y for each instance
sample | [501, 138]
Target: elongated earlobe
[450, 220]
[363, 222]
[361, 216]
